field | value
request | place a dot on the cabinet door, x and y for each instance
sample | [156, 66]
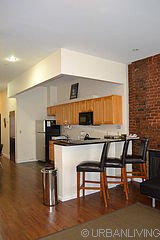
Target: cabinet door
[117, 109]
[73, 115]
[59, 115]
[66, 114]
[82, 106]
[53, 110]
[108, 110]
[113, 110]
[98, 111]
[48, 111]
[89, 105]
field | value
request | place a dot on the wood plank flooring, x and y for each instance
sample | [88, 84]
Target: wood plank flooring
[24, 217]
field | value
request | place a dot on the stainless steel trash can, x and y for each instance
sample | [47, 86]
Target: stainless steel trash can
[49, 183]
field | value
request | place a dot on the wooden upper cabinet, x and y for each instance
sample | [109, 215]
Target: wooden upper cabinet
[59, 114]
[117, 109]
[98, 109]
[66, 114]
[89, 105]
[75, 109]
[113, 110]
[106, 110]
[74, 113]
[49, 111]
[81, 106]
[53, 111]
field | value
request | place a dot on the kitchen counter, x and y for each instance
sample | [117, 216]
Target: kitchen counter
[68, 154]
[72, 142]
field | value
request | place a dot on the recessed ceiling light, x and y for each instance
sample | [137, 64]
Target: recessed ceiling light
[12, 59]
[135, 49]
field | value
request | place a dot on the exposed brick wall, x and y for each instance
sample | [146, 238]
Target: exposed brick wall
[144, 99]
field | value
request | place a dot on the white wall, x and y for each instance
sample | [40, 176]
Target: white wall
[83, 65]
[66, 62]
[31, 106]
[6, 105]
[48, 68]
[88, 89]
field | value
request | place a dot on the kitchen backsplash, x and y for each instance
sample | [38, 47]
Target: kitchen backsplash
[74, 131]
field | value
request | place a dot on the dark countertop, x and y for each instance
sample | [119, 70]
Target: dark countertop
[72, 142]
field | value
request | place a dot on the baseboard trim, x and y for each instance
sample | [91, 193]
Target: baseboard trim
[26, 161]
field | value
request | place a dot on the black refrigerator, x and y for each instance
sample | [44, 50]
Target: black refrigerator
[45, 129]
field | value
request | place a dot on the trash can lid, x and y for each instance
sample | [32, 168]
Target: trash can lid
[49, 170]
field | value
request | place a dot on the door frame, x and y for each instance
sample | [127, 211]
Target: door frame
[12, 138]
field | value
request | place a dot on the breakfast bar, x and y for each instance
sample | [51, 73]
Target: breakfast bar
[69, 153]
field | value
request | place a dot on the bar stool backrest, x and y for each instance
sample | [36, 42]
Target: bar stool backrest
[124, 152]
[104, 155]
[143, 148]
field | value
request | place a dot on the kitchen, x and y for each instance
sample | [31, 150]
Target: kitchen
[64, 156]
[101, 38]
[97, 78]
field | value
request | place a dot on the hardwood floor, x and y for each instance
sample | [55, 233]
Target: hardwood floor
[24, 217]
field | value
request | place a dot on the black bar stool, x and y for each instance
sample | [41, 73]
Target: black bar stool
[140, 159]
[118, 163]
[93, 166]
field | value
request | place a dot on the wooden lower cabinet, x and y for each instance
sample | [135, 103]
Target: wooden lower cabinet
[51, 151]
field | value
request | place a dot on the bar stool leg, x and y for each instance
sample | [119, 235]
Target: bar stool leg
[103, 188]
[78, 186]
[145, 171]
[125, 171]
[125, 185]
[142, 172]
[106, 184]
[121, 178]
[83, 184]
[132, 174]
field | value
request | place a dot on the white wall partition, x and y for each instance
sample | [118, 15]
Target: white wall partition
[31, 106]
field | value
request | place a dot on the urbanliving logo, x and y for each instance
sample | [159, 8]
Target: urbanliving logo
[121, 233]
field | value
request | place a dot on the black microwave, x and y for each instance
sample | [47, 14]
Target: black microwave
[86, 118]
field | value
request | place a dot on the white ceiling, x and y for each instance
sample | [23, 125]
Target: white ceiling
[33, 29]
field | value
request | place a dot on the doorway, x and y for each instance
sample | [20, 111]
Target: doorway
[12, 135]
